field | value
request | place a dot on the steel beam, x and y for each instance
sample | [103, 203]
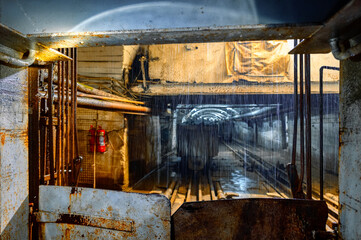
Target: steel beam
[177, 35]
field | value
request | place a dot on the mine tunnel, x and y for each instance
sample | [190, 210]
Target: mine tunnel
[180, 120]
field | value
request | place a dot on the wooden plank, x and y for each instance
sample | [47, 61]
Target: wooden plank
[112, 75]
[109, 50]
[83, 71]
[100, 64]
[90, 57]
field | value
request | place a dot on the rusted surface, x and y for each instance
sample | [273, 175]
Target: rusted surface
[338, 26]
[14, 182]
[83, 220]
[50, 147]
[73, 213]
[112, 105]
[218, 89]
[108, 98]
[88, 89]
[177, 35]
[249, 219]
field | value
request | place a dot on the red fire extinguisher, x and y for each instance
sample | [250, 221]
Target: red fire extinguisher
[92, 131]
[101, 147]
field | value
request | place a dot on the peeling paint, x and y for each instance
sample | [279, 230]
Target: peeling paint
[95, 213]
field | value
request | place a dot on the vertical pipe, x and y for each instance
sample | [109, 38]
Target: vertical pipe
[62, 120]
[321, 126]
[295, 110]
[67, 121]
[58, 133]
[42, 142]
[321, 133]
[75, 60]
[126, 154]
[308, 125]
[72, 140]
[302, 127]
[50, 124]
[79, 158]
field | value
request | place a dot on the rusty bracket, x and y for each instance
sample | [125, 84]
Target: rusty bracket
[84, 220]
[344, 25]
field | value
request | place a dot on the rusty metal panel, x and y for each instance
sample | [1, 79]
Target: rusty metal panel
[250, 219]
[14, 202]
[73, 213]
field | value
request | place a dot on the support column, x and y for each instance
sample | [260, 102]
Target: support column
[349, 150]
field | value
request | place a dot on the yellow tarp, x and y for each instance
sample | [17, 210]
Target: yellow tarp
[258, 61]
[261, 61]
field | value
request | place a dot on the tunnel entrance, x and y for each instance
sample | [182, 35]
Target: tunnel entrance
[174, 120]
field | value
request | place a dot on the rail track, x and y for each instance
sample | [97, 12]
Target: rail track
[205, 186]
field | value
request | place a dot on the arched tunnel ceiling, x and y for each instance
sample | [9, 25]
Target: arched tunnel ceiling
[43, 16]
[209, 114]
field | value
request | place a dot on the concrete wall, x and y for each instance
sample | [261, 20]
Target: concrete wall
[350, 151]
[14, 177]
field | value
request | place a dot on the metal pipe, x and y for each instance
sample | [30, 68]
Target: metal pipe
[42, 142]
[72, 119]
[100, 93]
[80, 94]
[302, 129]
[113, 105]
[88, 89]
[343, 55]
[50, 125]
[308, 125]
[58, 133]
[126, 107]
[62, 102]
[16, 62]
[142, 60]
[67, 121]
[78, 159]
[295, 108]
[321, 126]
